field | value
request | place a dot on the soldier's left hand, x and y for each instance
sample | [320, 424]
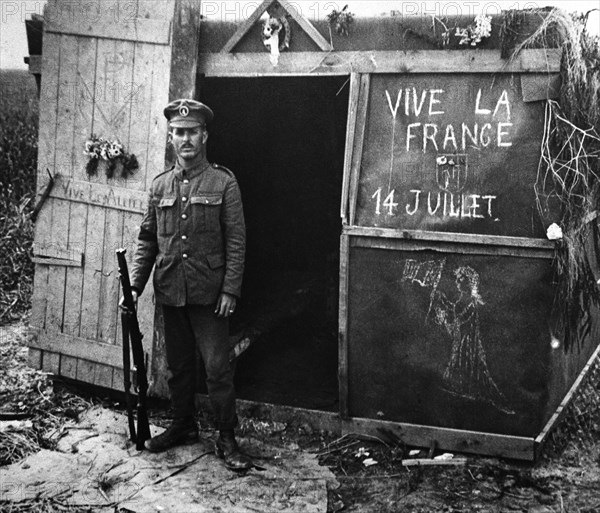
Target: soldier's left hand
[225, 305]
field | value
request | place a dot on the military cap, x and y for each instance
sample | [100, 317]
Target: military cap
[186, 113]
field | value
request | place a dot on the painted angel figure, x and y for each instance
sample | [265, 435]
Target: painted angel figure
[467, 374]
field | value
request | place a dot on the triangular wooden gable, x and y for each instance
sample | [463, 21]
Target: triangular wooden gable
[306, 25]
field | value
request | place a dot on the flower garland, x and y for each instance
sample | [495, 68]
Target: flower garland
[473, 34]
[341, 20]
[98, 148]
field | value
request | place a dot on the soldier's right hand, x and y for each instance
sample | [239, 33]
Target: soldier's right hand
[122, 306]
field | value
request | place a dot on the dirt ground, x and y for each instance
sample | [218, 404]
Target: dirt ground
[369, 475]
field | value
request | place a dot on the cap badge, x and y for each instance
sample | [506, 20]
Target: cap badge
[184, 110]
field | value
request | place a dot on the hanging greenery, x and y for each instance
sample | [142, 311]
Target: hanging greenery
[341, 20]
[569, 169]
[113, 153]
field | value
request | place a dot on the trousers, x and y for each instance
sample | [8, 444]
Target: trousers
[193, 330]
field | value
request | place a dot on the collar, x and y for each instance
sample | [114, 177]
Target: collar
[193, 172]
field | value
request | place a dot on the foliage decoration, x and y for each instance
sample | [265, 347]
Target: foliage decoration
[569, 167]
[98, 148]
[474, 34]
[341, 20]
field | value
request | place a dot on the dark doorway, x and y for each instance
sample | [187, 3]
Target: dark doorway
[284, 140]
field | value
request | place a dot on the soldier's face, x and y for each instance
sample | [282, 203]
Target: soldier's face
[189, 142]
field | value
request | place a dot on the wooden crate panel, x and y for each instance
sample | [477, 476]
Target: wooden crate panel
[450, 340]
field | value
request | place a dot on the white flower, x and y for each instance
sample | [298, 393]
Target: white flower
[115, 150]
[483, 26]
[554, 232]
[361, 452]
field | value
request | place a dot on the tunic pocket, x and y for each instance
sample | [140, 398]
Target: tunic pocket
[165, 214]
[206, 210]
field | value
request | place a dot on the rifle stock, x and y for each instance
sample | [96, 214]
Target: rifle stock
[132, 333]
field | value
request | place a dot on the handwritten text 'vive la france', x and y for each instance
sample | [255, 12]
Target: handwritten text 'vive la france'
[451, 137]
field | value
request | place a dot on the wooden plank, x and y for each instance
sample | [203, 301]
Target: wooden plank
[51, 362]
[343, 63]
[64, 150]
[77, 347]
[34, 358]
[54, 250]
[472, 442]
[103, 375]
[108, 196]
[68, 367]
[157, 129]
[424, 462]
[63, 157]
[184, 49]
[57, 274]
[73, 292]
[451, 247]
[59, 262]
[307, 26]
[118, 379]
[48, 107]
[563, 407]
[102, 23]
[109, 284]
[92, 270]
[343, 325]
[35, 64]
[83, 106]
[350, 129]
[467, 238]
[361, 122]
[86, 371]
[246, 26]
[84, 93]
[540, 86]
[316, 419]
[46, 139]
[141, 115]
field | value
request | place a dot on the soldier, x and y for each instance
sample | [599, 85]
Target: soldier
[194, 234]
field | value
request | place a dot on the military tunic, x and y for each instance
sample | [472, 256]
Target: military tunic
[194, 232]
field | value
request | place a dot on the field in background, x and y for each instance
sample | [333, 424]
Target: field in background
[18, 160]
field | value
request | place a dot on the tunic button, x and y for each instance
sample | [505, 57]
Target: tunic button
[184, 199]
[183, 216]
[184, 255]
[186, 181]
[184, 237]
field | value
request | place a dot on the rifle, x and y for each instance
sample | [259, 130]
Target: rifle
[131, 332]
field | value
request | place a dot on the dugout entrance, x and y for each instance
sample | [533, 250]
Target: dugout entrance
[284, 139]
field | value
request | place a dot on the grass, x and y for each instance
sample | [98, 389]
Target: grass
[18, 161]
[569, 170]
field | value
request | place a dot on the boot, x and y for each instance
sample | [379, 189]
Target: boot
[181, 431]
[227, 449]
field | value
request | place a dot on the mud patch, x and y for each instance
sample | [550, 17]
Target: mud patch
[96, 466]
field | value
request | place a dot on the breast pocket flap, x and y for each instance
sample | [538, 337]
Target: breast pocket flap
[166, 202]
[207, 199]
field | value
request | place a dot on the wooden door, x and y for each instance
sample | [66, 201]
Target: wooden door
[105, 71]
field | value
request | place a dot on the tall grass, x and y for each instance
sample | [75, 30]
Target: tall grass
[569, 171]
[18, 161]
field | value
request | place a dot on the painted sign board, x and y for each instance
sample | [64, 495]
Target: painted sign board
[451, 153]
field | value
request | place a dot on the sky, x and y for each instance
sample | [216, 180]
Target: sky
[13, 13]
